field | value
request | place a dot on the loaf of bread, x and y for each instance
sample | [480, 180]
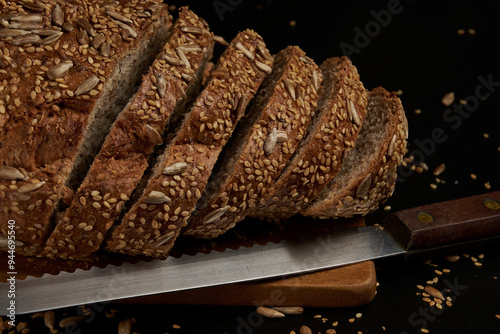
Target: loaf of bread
[123, 158]
[99, 153]
[264, 141]
[154, 221]
[67, 69]
[368, 175]
[331, 134]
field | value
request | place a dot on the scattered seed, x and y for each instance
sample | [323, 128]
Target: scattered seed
[473, 176]
[434, 292]
[220, 40]
[71, 321]
[49, 319]
[175, 326]
[359, 315]
[478, 264]
[269, 312]
[125, 326]
[439, 169]
[448, 99]
[305, 330]
[424, 330]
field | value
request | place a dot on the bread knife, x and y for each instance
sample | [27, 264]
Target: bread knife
[412, 230]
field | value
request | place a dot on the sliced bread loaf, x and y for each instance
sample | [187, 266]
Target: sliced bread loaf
[368, 175]
[264, 140]
[67, 69]
[182, 170]
[331, 134]
[123, 158]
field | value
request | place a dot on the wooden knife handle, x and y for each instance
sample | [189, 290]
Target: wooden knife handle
[446, 223]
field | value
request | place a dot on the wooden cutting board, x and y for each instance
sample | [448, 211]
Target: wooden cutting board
[352, 285]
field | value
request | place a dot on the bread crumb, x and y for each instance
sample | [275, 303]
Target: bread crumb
[448, 99]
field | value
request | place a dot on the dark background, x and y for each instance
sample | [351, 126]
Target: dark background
[415, 50]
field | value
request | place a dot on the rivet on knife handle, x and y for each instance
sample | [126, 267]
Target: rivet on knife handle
[446, 223]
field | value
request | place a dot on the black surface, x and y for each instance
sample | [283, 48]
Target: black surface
[420, 53]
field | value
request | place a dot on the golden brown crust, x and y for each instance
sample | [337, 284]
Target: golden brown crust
[123, 158]
[52, 80]
[319, 157]
[185, 166]
[369, 188]
[266, 148]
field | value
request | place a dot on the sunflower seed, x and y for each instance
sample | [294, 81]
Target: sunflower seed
[315, 81]
[34, 18]
[29, 187]
[220, 40]
[364, 186]
[84, 24]
[171, 59]
[270, 142]
[182, 57]
[265, 53]
[11, 173]
[281, 136]
[49, 319]
[351, 108]
[51, 38]
[26, 39]
[68, 26]
[118, 16]
[71, 321]
[175, 168]
[4, 243]
[290, 88]
[263, 67]
[46, 31]
[105, 49]
[161, 84]
[82, 37]
[448, 99]
[187, 77]
[13, 33]
[97, 41]
[125, 326]
[190, 48]
[128, 28]
[192, 30]
[163, 239]
[289, 309]
[31, 6]
[269, 312]
[87, 85]
[306, 60]
[433, 292]
[392, 146]
[157, 197]
[305, 330]
[25, 25]
[245, 51]
[439, 170]
[59, 70]
[57, 16]
[215, 215]
[153, 135]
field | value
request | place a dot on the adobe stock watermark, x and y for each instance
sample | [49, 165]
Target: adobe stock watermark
[363, 36]
[453, 117]
[426, 315]
[221, 7]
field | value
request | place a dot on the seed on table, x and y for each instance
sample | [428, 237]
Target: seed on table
[49, 319]
[424, 330]
[125, 326]
[448, 99]
[359, 315]
[439, 170]
[305, 330]
[434, 292]
[71, 321]
[438, 272]
[478, 264]
[269, 312]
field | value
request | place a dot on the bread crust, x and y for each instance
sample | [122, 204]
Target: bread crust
[182, 171]
[56, 72]
[367, 189]
[320, 155]
[286, 113]
[123, 158]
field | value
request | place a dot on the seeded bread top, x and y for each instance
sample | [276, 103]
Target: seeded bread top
[275, 124]
[55, 59]
[123, 158]
[340, 114]
[182, 171]
[368, 176]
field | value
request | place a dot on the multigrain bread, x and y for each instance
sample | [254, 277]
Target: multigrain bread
[67, 69]
[123, 158]
[368, 175]
[264, 141]
[182, 171]
[331, 134]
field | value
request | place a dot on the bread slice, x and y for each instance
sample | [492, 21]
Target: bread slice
[332, 133]
[67, 70]
[123, 158]
[182, 171]
[264, 141]
[368, 175]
